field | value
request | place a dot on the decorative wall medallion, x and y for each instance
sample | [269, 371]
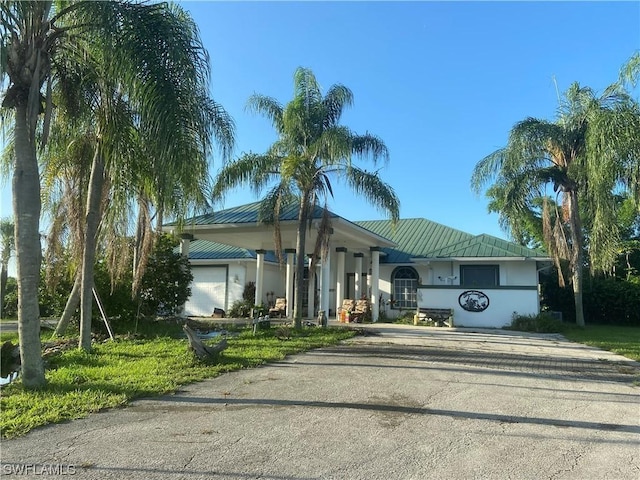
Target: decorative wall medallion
[473, 301]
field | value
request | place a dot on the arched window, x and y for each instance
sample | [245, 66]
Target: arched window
[405, 287]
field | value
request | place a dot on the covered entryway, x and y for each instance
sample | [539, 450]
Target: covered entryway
[208, 291]
[240, 228]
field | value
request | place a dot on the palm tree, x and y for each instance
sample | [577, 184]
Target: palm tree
[312, 146]
[585, 155]
[35, 37]
[128, 162]
[7, 245]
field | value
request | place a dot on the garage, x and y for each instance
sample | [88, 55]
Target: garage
[208, 291]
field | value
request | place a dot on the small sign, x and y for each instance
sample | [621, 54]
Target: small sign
[473, 301]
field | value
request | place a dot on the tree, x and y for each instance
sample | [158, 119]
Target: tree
[7, 245]
[165, 286]
[589, 152]
[312, 146]
[143, 44]
[28, 37]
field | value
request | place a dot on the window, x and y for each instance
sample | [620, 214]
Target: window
[479, 275]
[405, 287]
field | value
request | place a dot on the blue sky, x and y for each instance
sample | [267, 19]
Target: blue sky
[440, 82]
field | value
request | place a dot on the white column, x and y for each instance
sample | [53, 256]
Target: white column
[311, 303]
[259, 275]
[358, 276]
[185, 243]
[341, 251]
[289, 280]
[325, 281]
[375, 283]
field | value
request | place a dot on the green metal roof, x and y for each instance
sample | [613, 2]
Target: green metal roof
[206, 250]
[416, 237]
[485, 246]
[246, 214]
[422, 238]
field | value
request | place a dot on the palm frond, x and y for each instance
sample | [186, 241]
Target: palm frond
[321, 248]
[267, 106]
[487, 169]
[250, 168]
[337, 98]
[375, 191]
[630, 71]
[370, 146]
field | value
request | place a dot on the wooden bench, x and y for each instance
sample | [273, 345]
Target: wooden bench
[439, 316]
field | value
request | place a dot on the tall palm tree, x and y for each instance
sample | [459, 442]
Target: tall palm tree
[585, 155]
[35, 36]
[167, 91]
[312, 146]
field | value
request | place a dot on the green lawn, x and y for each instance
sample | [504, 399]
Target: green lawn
[79, 383]
[621, 340]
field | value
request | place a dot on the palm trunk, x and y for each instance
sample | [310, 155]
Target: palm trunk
[577, 256]
[26, 211]
[70, 307]
[577, 296]
[92, 220]
[300, 257]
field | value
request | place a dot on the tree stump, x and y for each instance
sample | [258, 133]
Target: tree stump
[202, 351]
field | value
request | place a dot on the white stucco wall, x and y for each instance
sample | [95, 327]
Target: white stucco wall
[243, 271]
[502, 303]
[237, 280]
[273, 279]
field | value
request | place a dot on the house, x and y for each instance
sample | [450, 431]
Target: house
[416, 263]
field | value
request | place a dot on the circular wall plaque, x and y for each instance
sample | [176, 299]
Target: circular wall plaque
[473, 301]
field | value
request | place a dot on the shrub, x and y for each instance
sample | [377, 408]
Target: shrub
[10, 304]
[606, 300]
[165, 284]
[540, 323]
[240, 309]
[249, 292]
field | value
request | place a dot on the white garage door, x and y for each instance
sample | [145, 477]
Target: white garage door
[208, 291]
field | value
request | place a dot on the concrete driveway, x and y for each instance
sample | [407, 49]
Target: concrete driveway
[409, 403]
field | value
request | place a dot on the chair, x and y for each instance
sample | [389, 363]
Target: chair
[348, 306]
[360, 311]
[279, 309]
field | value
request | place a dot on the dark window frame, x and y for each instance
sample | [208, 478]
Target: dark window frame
[468, 279]
[401, 278]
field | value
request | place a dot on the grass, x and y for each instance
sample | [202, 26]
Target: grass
[114, 373]
[621, 340]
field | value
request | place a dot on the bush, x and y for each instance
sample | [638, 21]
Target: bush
[10, 304]
[611, 301]
[606, 300]
[249, 292]
[240, 309]
[165, 284]
[541, 323]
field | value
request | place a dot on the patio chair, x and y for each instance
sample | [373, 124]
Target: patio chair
[279, 309]
[347, 307]
[360, 311]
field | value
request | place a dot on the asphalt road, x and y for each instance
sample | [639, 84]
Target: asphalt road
[412, 403]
